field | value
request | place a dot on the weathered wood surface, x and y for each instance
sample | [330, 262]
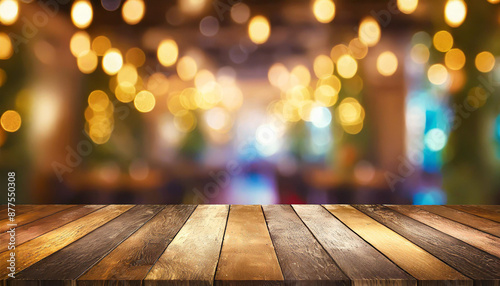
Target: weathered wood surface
[253, 245]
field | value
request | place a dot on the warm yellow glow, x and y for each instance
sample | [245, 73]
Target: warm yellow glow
[133, 11]
[420, 53]
[112, 61]
[185, 121]
[168, 52]
[485, 61]
[125, 92]
[332, 81]
[158, 84]
[192, 7]
[278, 75]
[98, 100]
[454, 59]
[136, 57]
[10, 121]
[443, 41]
[300, 75]
[87, 62]
[326, 95]
[338, 51]
[324, 10]
[407, 6]
[259, 29]
[6, 49]
[240, 12]
[187, 68]
[127, 73]
[437, 74]
[232, 97]
[323, 66]
[203, 77]
[81, 14]
[79, 43]
[100, 45]
[347, 66]
[218, 119]
[9, 11]
[369, 32]
[187, 98]
[358, 49]
[387, 63]
[494, 1]
[351, 115]
[455, 12]
[144, 101]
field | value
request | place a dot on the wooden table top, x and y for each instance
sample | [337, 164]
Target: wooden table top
[253, 244]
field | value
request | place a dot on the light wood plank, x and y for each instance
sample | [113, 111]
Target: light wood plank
[34, 250]
[247, 251]
[474, 237]
[139, 252]
[34, 229]
[484, 268]
[475, 210]
[29, 213]
[192, 256]
[301, 257]
[363, 264]
[480, 223]
[416, 261]
[72, 261]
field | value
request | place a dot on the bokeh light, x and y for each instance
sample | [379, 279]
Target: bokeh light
[485, 61]
[324, 10]
[6, 50]
[454, 59]
[112, 61]
[10, 121]
[420, 53]
[407, 6]
[323, 66]
[437, 74]
[259, 29]
[240, 13]
[100, 45]
[387, 63]
[9, 11]
[87, 62]
[144, 101]
[187, 68]
[443, 41]
[347, 66]
[455, 12]
[369, 32]
[133, 11]
[82, 14]
[168, 52]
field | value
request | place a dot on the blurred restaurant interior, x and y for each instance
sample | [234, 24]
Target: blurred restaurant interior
[251, 101]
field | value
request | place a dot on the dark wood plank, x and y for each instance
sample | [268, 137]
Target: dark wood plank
[28, 213]
[357, 259]
[192, 256]
[417, 262]
[476, 222]
[34, 250]
[478, 211]
[247, 253]
[72, 261]
[46, 224]
[486, 242]
[474, 263]
[140, 251]
[302, 259]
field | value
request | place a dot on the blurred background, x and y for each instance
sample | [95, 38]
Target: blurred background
[250, 101]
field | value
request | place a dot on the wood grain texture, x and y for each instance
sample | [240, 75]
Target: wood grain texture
[302, 259]
[358, 260]
[139, 252]
[34, 229]
[72, 261]
[474, 237]
[480, 223]
[484, 268]
[34, 250]
[24, 215]
[247, 251]
[490, 214]
[192, 256]
[417, 262]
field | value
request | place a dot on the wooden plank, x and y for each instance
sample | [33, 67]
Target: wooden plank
[474, 263]
[30, 216]
[358, 260]
[34, 229]
[480, 223]
[140, 251]
[34, 250]
[20, 211]
[247, 253]
[474, 237]
[475, 210]
[417, 262]
[192, 256]
[72, 261]
[302, 259]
